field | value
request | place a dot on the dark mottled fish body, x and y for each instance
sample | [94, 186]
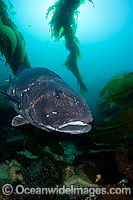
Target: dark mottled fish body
[44, 100]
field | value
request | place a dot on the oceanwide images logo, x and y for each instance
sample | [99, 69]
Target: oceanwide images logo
[8, 189]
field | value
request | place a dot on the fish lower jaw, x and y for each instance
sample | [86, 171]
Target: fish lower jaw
[79, 128]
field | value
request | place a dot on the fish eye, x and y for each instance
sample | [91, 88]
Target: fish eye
[58, 94]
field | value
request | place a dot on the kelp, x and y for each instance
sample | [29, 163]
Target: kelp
[117, 97]
[119, 89]
[64, 24]
[116, 110]
[12, 44]
[9, 33]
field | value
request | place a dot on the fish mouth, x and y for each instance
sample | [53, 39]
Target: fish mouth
[73, 127]
[74, 123]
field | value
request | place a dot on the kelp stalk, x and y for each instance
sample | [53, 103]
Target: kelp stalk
[63, 24]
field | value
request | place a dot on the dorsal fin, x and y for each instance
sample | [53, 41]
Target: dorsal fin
[20, 69]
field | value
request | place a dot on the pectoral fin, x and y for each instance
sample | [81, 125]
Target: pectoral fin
[19, 121]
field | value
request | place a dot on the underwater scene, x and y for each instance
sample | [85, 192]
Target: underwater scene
[66, 100]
